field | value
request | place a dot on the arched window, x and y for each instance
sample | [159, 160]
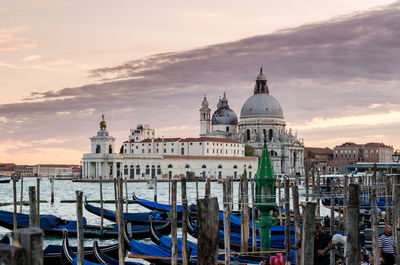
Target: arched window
[98, 149]
[169, 166]
[220, 166]
[203, 166]
[137, 170]
[158, 170]
[270, 134]
[147, 169]
[265, 133]
[235, 166]
[187, 166]
[125, 170]
[250, 167]
[248, 135]
[110, 149]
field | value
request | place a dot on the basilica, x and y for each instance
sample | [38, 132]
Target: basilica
[261, 118]
[218, 152]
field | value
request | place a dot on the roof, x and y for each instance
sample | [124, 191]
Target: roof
[319, 150]
[159, 140]
[57, 165]
[336, 163]
[376, 145]
[210, 139]
[349, 144]
[243, 158]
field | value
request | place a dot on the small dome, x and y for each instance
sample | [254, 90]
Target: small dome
[139, 127]
[263, 105]
[103, 124]
[224, 116]
[204, 103]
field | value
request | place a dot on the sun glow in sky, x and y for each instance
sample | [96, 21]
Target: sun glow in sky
[63, 63]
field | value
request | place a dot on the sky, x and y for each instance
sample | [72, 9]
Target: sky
[333, 65]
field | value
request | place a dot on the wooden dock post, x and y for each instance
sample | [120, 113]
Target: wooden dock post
[208, 188]
[287, 221]
[31, 241]
[374, 219]
[307, 253]
[11, 255]
[280, 202]
[38, 201]
[32, 207]
[155, 187]
[307, 186]
[116, 197]
[253, 218]
[297, 221]
[185, 254]
[207, 218]
[174, 240]
[126, 195]
[21, 195]
[318, 193]
[353, 248]
[313, 181]
[345, 201]
[52, 189]
[332, 220]
[396, 204]
[79, 226]
[120, 221]
[244, 214]
[388, 215]
[101, 205]
[197, 188]
[14, 179]
[227, 221]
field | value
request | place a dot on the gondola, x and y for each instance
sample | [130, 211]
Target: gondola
[54, 226]
[364, 203]
[155, 206]
[5, 180]
[103, 258]
[134, 218]
[68, 257]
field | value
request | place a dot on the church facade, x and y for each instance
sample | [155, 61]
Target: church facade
[261, 117]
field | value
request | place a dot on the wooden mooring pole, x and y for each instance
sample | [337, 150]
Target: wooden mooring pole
[280, 202]
[207, 218]
[52, 189]
[174, 243]
[21, 195]
[287, 221]
[374, 219]
[126, 195]
[332, 219]
[388, 195]
[253, 218]
[14, 179]
[38, 201]
[79, 226]
[208, 188]
[227, 221]
[101, 206]
[345, 201]
[31, 241]
[297, 221]
[353, 248]
[32, 207]
[396, 204]
[120, 220]
[244, 214]
[11, 255]
[307, 253]
[185, 254]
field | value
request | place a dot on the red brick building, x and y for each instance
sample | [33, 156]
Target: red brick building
[351, 153]
[316, 157]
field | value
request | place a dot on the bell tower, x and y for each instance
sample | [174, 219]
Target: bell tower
[205, 120]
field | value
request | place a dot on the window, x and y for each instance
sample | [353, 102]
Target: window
[172, 150]
[191, 143]
[142, 151]
[165, 150]
[187, 166]
[98, 149]
[157, 150]
[110, 149]
[200, 143]
[169, 166]
[149, 151]
[137, 147]
[182, 151]
[220, 166]
[147, 169]
[227, 129]
[270, 134]
[125, 170]
[137, 170]
[203, 166]
[248, 135]
[207, 151]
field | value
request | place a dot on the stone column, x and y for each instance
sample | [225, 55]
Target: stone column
[114, 169]
[100, 169]
[89, 169]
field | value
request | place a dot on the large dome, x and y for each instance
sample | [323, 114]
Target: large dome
[261, 105]
[224, 116]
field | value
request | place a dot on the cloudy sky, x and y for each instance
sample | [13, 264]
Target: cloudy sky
[333, 65]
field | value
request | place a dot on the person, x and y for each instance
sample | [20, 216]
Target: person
[339, 241]
[322, 246]
[387, 247]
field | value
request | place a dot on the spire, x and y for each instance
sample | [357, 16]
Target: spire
[219, 105]
[224, 101]
[204, 103]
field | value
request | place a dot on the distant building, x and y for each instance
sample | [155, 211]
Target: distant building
[351, 153]
[24, 171]
[57, 170]
[317, 158]
[7, 169]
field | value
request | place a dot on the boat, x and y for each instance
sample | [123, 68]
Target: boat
[5, 180]
[134, 218]
[5, 240]
[54, 226]
[155, 206]
[150, 185]
[103, 258]
[364, 202]
[68, 257]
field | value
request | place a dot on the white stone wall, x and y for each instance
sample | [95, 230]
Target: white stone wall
[104, 142]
